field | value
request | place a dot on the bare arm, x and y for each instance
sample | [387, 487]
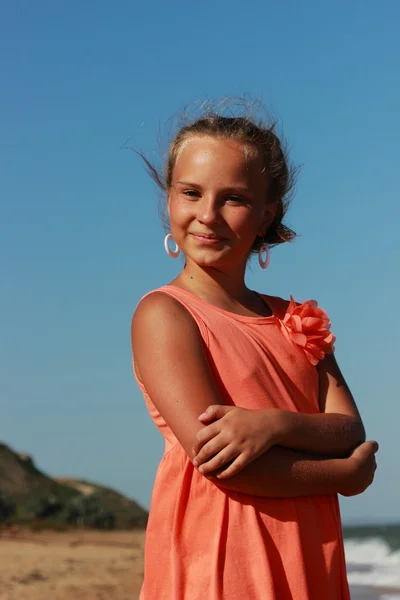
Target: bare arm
[242, 435]
[334, 432]
[285, 473]
[171, 362]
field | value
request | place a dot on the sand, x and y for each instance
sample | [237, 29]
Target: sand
[67, 566]
[95, 566]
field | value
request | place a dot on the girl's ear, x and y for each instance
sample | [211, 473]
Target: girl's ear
[269, 216]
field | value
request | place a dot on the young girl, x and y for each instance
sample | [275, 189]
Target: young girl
[261, 430]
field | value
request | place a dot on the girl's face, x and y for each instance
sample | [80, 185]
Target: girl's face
[217, 202]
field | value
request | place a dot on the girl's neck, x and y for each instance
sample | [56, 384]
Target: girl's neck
[214, 285]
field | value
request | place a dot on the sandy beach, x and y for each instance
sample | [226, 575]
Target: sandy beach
[93, 566]
[62, 566]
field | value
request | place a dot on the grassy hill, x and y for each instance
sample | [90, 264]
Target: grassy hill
[27, 494]
[125, 510]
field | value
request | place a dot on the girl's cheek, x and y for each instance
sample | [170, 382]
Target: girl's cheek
[181, 212]
[240, 219]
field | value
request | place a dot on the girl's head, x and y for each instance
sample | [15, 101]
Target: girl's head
[227, 182]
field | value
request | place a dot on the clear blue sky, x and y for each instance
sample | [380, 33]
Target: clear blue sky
[80, 237]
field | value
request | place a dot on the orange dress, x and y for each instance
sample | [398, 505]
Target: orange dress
[207, 543]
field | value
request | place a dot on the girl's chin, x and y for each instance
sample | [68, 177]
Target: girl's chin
[208, 259]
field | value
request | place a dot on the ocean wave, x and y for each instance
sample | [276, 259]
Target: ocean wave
[371, 562]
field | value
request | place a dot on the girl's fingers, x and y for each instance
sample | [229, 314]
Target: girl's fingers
[204, 436]
[238, 464]
[208, 450]
[213, 412]
[219, 460]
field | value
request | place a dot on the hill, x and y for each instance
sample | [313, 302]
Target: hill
[124, 509]
[27, 494]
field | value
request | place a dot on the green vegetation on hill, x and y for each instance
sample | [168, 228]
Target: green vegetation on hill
[28, 495]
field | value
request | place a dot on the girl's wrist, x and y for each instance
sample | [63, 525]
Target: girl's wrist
[348, 476]
[278, 424]
[283, 424]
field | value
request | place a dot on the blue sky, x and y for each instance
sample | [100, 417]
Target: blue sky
[80, 237]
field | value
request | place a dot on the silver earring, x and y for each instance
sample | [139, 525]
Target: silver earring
[264, 262]
[171, 253]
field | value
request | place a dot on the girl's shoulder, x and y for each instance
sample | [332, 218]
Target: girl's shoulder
[277, 304]
[284, 308]
[167, 303]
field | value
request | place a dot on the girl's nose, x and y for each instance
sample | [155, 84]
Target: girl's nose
[209, 212]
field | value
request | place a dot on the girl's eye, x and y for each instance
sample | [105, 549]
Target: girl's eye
[236, 199]
[192, 193]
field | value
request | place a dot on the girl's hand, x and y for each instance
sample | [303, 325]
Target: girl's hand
[235, 437]
[363, 467]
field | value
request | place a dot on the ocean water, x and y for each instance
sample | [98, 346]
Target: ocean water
[373, 562]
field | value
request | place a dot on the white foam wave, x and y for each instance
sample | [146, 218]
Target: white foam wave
[377, 564]
[370, 551]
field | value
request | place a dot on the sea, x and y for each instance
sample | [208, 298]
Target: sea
[373, 561]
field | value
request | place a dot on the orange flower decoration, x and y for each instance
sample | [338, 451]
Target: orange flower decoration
[309, 326]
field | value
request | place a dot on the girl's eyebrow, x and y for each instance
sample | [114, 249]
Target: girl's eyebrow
[232, 188]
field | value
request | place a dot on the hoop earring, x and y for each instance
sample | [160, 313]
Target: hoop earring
[171, 253]
[264, 262]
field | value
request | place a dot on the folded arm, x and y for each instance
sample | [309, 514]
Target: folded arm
[334, 432]
[171, 362]
[338, 429]
[285, 473]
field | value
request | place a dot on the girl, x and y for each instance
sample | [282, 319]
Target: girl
[261, 430]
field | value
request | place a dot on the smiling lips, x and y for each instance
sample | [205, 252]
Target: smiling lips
[207, 238]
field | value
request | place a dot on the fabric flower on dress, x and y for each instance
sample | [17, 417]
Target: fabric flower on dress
[308, 326]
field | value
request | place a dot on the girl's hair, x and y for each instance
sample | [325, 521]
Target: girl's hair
[280, 174]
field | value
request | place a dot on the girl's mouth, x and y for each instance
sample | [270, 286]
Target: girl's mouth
[207, 239]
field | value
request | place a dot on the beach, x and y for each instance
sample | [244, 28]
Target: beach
[94, 565]
[66, 566]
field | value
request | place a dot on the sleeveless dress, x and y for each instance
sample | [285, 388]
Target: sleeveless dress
[207, 543]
